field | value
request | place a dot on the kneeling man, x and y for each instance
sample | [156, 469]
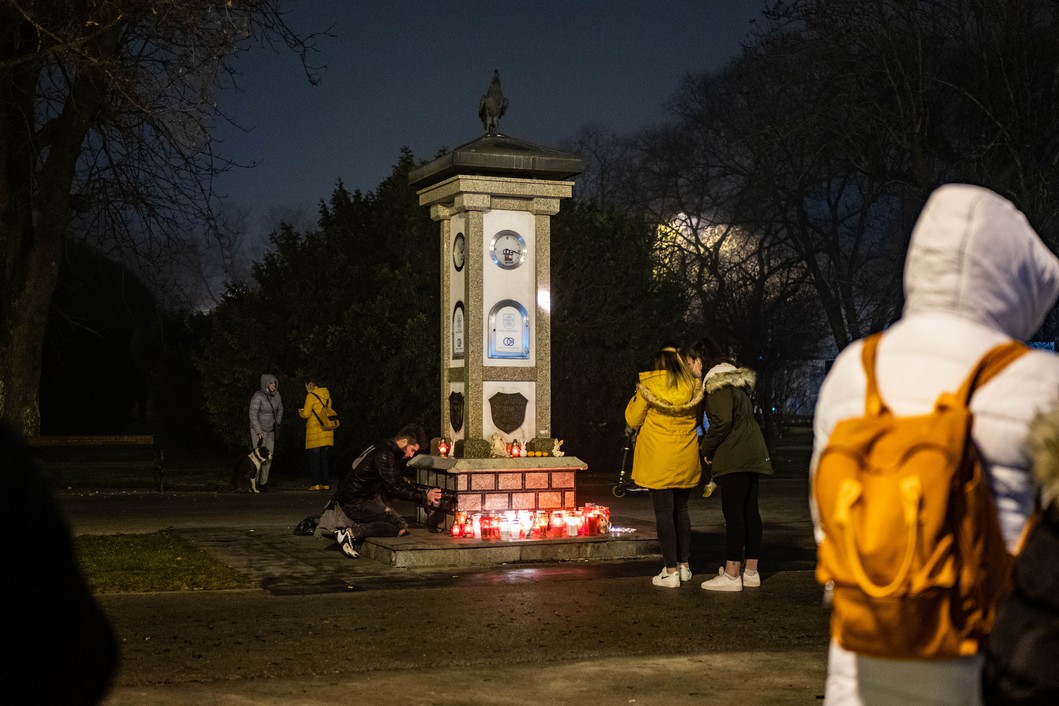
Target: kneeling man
[374, 479]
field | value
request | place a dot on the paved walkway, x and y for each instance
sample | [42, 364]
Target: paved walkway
[325, 628]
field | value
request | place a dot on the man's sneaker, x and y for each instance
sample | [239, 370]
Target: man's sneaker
[685, 574]
[667, 580]
[344, 537]
[751, 579]
[708, 490]
[723, 582]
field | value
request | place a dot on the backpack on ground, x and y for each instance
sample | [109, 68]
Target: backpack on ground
[327, 417]
[912, 548]
[307, 527]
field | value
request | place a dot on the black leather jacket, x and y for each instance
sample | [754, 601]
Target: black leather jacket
[378, 475]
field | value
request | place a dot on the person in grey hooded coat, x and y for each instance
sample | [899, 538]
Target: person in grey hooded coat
[266, 413]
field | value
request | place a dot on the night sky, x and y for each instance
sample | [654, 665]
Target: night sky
[403, 73]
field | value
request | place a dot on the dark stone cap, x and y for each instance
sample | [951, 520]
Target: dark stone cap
[499, 155]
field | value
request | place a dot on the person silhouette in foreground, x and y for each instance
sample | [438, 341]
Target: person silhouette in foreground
[60, 646]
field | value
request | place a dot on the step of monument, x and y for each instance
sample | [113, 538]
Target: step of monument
[420, 548]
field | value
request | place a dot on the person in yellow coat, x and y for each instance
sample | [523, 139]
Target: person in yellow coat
[664, 410]
[317, 439]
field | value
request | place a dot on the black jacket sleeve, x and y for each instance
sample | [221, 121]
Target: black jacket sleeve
[394, 484]
[377, 473]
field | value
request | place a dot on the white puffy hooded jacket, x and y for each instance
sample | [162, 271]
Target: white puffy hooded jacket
[976, 275]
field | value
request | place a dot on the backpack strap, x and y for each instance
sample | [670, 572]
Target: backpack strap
[991, 364]
[325, 404]
[873, 401]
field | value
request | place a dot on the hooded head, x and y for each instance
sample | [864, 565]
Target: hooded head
[974, 254]
[266, 380]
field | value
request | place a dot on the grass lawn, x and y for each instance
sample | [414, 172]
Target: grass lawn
[160, 561]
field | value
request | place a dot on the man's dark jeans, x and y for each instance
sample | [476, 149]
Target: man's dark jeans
[373, 518]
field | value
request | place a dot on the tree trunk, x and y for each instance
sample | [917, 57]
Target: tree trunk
[35, 215]
[31, 272]
[20, 355]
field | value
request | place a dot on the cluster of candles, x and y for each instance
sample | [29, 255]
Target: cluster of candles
[585, 521]
[519, 448]
[515, 449]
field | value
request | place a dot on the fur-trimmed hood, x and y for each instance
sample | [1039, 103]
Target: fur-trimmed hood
[1044, 449]
[726, 374]
[654, 388]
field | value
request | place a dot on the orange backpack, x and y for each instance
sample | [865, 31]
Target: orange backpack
[912, 546]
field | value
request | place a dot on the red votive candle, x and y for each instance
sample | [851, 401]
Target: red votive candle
[592, 523]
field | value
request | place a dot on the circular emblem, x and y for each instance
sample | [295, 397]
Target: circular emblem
[459, 251]
[508, 249]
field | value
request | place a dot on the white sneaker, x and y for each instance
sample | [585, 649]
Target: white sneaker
[667, 580]
[751, 579]
[345, 541]
[708, 490]
[685, 574]
[723, 582]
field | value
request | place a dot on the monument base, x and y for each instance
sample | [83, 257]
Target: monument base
[496, 485]
[424, 549]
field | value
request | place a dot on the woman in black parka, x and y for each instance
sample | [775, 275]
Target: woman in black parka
[1021, 652]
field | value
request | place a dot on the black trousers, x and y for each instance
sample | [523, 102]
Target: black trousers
[742, 518]
[374, 518]
[673, 524]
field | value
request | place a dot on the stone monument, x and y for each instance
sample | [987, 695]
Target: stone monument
[494, 198]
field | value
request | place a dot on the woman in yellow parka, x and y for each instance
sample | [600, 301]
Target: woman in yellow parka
[665, 410]
[317, 439]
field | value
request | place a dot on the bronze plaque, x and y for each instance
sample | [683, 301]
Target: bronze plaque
[456, 410]
[508, 410]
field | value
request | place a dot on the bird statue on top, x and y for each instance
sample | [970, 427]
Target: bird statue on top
[492, 106]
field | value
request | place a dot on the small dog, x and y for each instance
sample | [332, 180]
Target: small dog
[244, 474]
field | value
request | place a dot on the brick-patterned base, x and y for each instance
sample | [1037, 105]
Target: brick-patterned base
[507, 487]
